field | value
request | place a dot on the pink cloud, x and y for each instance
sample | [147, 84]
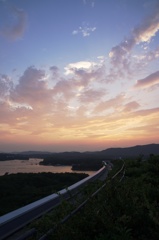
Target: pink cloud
[131, 106]
[63, 88]
[32, 89]
[113, 103]
[148, 81]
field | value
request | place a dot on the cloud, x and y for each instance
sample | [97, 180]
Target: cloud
[85, 30]
[76, 86]
[91, 95]
[152, 55]
[131, 106]
[148, 81]
[120, 54]
[16, 28]
[32, 89]
[9, 115]
[84, 73]
[72, 107]
[148, 29]
[146, 57]
[5, 86]
[55, 72]
[91, 2]
[85, 66]
[142, 33]
[146, 112]
[113, 103]
[63, 89]
[60, 103]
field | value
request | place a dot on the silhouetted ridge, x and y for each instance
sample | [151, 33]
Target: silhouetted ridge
[133, 151]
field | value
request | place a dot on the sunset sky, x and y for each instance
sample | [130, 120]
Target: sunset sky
[78, 75]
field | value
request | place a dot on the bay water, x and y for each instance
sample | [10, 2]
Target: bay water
[32, 166]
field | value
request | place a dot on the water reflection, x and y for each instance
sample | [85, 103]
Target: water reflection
[32, 166]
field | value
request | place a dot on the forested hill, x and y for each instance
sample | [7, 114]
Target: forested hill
[133, 151]
[93, 160]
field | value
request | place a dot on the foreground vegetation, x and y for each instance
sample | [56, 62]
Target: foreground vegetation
[20, 189]
[127, 208]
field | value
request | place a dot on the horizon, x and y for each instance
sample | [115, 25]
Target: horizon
[78, 75]
[43, 151]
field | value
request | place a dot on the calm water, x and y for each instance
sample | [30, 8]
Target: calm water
[32, 166]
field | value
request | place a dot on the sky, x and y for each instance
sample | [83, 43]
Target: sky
[78, 75]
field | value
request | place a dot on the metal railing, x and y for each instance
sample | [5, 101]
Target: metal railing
[15, 220]
[81, 205]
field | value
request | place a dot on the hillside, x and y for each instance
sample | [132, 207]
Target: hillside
[133, 151]
[126, 208]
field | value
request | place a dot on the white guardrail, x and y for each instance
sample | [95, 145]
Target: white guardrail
[15, 220]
